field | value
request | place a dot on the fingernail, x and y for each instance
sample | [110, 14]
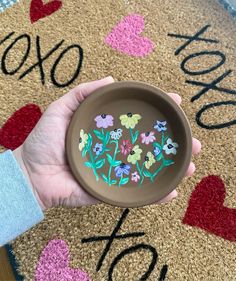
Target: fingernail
[109, 78]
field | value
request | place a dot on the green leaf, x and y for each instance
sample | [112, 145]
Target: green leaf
[135, 136]
[107, 149]
[116, 163]
[85, 150]
[90, 141]
[159, 156]
[98, 134]
[156, 144]
[104, 178]
[99, 164]
[113, 181]
[147, 174]
[88, 164]
[124, 181]
[168, 162]
[109, 159]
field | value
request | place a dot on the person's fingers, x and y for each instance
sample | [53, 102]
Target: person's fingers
[191, 169]
[169, 197]
[177, 98]
[196, 146]
[75, 96]
[74, 195]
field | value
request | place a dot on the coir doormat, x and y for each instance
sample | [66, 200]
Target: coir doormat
[185, 46]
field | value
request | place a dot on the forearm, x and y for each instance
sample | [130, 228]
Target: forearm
[19, 208]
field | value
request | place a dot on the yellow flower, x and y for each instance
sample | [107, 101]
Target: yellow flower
[130, 120]
[149, 160]
[134, 155]
[82, 140]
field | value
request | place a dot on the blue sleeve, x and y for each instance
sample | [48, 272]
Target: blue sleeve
[19, 209]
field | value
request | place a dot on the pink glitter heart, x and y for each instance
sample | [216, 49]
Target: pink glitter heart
[126, 39]
[53, 264]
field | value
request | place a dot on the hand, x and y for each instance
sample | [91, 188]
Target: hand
[42, 156]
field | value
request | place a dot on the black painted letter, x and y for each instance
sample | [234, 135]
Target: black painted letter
[211, 86]
[214, 126]
[190, 39]
[203, 71]
[24, 58]
[53, 70]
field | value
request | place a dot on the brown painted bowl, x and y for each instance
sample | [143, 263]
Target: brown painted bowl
[129, 144]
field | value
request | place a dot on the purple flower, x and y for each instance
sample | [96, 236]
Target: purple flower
[157, 151]
[104, 121]
[122, 169]
[160, 126]
[98, 148]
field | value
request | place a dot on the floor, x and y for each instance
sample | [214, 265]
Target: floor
[6, 273]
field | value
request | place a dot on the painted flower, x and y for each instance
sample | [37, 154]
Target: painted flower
[157, 151]
[147, 137]
[98, 148]
[116, 134]
[134, 155]
[135, 176]
[130, 120]
[83, 139]
[160, 126]
[122, 169]
[125, 147]
[104, 121]
[149, 160]
[170, 147]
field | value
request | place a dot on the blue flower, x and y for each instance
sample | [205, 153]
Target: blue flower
[157, 151]
[98, 148]
[160, 126]
[122, 169]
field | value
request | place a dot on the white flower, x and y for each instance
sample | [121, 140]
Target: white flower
[170, 147]
[116, 134]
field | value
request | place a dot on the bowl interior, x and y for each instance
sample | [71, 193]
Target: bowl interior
[128, 99]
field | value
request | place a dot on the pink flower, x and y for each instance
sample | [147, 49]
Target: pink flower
[135, 176]
[126, 147]
[147, 137]
[104, 121]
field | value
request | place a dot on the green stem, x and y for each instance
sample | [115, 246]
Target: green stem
[104, 146]
[140, 172]
[120, 181]
[157, 172]
[114, 157]
[94, 169]
[131, 134]
[163, 138]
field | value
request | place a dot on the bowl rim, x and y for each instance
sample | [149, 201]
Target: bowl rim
[150, 88]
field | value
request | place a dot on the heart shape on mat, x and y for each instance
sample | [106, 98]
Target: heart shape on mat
[206, 209]
[125, 37]
[53, 264]
[14, 132]
[39, 10]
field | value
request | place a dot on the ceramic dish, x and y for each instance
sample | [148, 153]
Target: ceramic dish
[129, 144]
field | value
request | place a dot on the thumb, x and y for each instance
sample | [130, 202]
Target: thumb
[75, 96]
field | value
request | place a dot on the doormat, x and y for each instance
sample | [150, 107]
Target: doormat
[190, 49]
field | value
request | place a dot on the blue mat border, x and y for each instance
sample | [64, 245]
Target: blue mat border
[13, 262]
[229, 7]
